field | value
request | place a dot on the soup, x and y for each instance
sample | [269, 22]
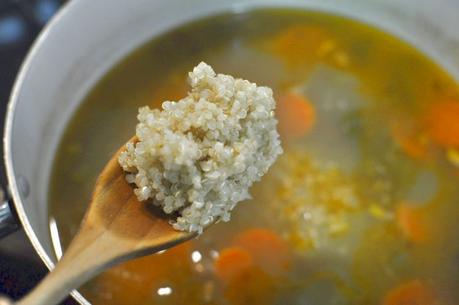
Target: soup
[361, 208]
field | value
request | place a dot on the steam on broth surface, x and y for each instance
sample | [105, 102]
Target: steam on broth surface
[361, 208]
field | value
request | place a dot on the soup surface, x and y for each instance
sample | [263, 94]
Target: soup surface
[362, 207]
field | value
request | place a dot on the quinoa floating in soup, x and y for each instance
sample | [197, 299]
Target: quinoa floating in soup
[361, 208]
[200, 155]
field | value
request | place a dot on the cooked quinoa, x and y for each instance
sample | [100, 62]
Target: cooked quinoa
[200, 155]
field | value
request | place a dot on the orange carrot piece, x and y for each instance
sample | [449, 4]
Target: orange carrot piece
[231, 262]
[268, 250]
[412, 223]
[443, 123]
[173, 89]
[298, 44]
[414, 292]
[253, 286]
[409, 141]
[296, 115]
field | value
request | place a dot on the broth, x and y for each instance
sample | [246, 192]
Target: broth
[361, 208]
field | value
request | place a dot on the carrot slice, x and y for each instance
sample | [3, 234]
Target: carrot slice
[409, 141]
[173, 89]
[268, 250]
[253, 286]
[412, 223]
[443, 123]
[298, 44]
[231, 262]
[296, 115]
[414, 292]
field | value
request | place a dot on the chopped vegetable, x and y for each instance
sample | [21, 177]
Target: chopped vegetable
[410, 142]
[231, 262]
[253, 286]
[378, 212]
[453, 156]
[412, 223]
[296, 115]
[341, 58]
[268, 250]
[414, 292]
[244, 268]
[299, 44]
[326, 48]
[443, 123]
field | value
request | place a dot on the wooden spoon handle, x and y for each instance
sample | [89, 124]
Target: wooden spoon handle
[54, 287]
[92, 251]
[70, 273]
[4, 300]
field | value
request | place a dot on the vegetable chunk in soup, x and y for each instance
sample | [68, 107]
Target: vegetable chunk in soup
[360, 209]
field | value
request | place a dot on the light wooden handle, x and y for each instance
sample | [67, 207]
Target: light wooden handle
[5, 300]
[44, 293]
[88, 255]
[69, 274]
[55, 287]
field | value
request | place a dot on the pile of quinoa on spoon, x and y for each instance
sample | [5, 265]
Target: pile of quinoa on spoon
[199, 156]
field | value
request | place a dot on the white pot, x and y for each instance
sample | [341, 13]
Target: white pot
[87, 37]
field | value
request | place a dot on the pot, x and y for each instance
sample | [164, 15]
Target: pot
[86, 38]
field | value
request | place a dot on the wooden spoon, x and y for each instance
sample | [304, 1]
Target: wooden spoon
[116, 227]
